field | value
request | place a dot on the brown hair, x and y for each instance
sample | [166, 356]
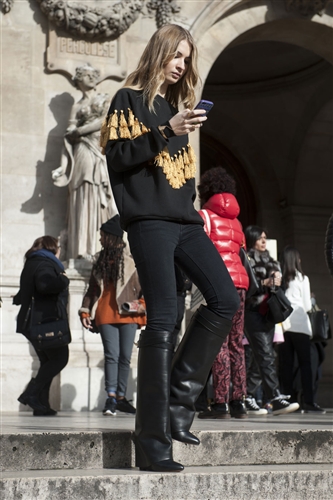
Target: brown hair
[160, 50]
[44, 242]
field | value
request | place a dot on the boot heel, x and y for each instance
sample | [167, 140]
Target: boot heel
[22, 399]
[140, 458]
[143, 463]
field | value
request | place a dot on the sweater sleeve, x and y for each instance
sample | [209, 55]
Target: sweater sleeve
[127, 140]
[92, 294]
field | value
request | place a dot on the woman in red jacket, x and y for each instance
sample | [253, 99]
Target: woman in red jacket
[219, 211]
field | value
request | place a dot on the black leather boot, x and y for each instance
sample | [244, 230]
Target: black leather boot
[44, 399]
[31, 396]
[153, 442]
[190, 369]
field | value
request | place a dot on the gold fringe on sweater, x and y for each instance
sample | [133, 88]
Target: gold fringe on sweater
[179, 168]
[115, 126]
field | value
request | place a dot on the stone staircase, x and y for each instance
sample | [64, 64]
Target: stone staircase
[267, 458]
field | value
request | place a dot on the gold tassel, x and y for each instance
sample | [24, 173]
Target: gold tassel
[113, 126]
[104, 133]
[136, 131]
[123, 128]
[113, 121]
[185, 156]
[130, 118]
[144, 129]
[191, 154]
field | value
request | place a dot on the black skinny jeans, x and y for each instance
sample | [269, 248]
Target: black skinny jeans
[52, 361]
[156, 245]
[260, 335]
[300, 344]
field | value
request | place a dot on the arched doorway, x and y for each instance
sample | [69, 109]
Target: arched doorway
[214, 153]
[271, 80]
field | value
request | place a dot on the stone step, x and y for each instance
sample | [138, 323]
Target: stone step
[114, 449]
[232, 482]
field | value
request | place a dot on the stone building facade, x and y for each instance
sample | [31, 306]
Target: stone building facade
[266, 64]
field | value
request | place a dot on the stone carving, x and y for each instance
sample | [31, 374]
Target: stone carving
[6, 5]
[166, 11]
[307, 7]
[83, 168]
[84, 21]
[111, 21]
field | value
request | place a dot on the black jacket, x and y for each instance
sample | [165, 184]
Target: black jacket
[42, 279]
[152, 177]
[329, 245]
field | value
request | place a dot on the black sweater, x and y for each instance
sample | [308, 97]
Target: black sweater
[151, 177]
[42, 279]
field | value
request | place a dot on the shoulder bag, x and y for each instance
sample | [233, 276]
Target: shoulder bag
[49, 334]
[253, 283]
[321, 328]
[278, 305]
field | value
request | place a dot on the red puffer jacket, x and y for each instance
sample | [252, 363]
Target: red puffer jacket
[226, 233]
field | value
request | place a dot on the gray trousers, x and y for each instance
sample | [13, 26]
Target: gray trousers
[118, 342]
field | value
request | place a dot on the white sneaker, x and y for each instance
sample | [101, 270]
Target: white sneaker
[253, 409]
[281, 406]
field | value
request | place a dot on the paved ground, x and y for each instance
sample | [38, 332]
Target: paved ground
[15, 422]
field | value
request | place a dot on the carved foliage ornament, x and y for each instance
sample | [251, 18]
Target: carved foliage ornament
[6, 5]
[306, 7]
[111, 21]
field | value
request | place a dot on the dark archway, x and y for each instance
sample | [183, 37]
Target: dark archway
[213, 153]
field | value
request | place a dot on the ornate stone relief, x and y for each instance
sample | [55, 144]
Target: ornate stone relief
[6, 5]
[166, 11]
[91, 22]
[306, 7]
[84, 21]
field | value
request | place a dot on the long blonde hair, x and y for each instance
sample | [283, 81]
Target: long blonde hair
[149, 76]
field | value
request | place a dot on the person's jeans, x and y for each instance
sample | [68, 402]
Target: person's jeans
[156, 245]
[260, 335]
[301, 344]
[118, 342]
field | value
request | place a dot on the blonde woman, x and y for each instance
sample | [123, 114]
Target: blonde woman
[152, 172]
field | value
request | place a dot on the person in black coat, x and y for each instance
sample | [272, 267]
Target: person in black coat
[43, 278]
[329, 245]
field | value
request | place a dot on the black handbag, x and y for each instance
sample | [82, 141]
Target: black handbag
[321, 328]
[279, 306]
[253, 283]
[49, 334]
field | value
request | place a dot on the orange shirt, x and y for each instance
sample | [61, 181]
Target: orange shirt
[107, 312]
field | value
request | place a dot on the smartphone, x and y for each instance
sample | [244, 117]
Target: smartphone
[205, 105]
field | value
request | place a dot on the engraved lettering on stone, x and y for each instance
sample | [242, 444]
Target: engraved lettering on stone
[70, 46]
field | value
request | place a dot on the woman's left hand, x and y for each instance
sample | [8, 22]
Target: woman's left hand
[276, 279]
[187, 121]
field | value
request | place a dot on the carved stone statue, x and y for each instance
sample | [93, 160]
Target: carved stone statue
[83, 168]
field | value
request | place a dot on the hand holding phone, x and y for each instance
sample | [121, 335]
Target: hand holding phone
[205, 106]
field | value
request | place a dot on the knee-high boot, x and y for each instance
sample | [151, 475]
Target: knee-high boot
[153, 442]
[190, 368]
